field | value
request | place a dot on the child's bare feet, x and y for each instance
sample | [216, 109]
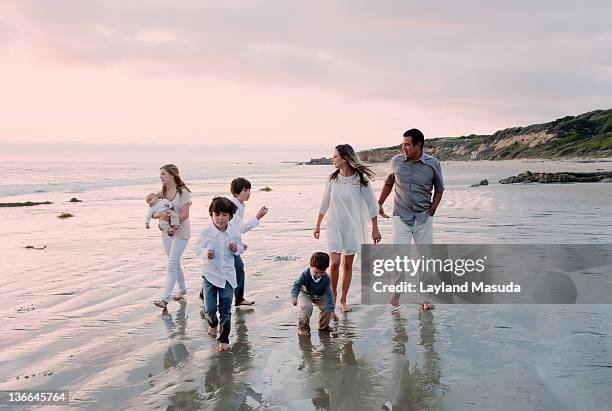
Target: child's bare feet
[334, 317]
[344, 307]
[223, 347]
[212, 332]
[427, 306]
[303, 333]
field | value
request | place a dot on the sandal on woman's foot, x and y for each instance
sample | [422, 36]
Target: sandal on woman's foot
[161, 304]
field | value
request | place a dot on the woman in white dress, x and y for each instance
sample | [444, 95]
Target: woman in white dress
[349, 199]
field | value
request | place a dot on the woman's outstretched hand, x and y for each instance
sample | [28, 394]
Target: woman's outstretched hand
[376, 236]
[317, 232]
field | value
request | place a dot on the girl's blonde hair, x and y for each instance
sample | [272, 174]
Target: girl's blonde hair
[174, 172]
[348, 154]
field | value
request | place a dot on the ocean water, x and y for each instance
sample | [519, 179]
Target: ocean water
[79, 314]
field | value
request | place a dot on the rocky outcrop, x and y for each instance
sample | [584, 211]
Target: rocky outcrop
[484, 182]
[323, 161]
[565, 177]
[25, 204]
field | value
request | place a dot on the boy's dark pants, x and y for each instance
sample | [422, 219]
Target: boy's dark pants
[239, 291]
[225, 295]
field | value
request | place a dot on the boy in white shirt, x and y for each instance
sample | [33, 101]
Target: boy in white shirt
[218, 244]
[241, 192]
[161, 205]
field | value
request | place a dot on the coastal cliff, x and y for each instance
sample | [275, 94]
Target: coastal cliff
[587, 135]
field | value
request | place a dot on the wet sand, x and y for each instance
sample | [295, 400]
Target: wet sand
[79, 314]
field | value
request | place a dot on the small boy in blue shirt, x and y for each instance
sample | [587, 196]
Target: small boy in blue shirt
[314, 287]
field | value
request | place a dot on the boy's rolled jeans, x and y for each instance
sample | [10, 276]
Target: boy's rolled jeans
[305, 303]
[224, 306]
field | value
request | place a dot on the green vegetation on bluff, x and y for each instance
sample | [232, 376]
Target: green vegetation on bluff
[587, 135]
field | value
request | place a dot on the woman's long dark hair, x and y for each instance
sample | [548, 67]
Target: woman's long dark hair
[348, 154]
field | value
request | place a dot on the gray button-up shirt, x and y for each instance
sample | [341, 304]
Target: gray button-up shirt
[414, 181]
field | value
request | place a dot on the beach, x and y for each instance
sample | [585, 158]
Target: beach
[79, 313]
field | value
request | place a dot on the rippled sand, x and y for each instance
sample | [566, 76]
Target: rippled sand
[78, 314]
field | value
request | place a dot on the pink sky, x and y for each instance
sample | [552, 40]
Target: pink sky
[209, 73]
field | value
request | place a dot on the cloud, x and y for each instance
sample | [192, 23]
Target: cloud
[515, 60]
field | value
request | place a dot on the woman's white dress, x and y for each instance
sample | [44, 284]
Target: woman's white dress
[347, 204]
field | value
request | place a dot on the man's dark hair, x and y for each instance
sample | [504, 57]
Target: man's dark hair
[239, 184]
[319, 260]
[416, 136]
[220, 205]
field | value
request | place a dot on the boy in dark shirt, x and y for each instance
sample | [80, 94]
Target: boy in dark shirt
[314, 287]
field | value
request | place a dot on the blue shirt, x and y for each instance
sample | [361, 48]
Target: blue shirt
[313, 289]
[414, 181]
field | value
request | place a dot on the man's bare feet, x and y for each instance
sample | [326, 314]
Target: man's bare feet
[223, 347]
[303, 333]
[394, 301]
[212, 332]
[344, 307]
[427, 306]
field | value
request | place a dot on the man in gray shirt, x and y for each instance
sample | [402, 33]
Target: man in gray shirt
[414, 174]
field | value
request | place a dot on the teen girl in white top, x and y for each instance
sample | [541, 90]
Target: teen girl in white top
[348, 200]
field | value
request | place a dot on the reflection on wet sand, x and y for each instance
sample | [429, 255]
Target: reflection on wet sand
[335, 377]
[223, 384]
[177, 352]
[415, 386]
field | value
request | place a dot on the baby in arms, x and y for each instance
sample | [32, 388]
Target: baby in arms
[161, 205]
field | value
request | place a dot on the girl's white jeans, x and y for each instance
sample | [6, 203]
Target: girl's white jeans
[174, 250]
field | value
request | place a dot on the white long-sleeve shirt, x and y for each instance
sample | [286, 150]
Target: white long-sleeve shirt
[219, 269]
[238, 220]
